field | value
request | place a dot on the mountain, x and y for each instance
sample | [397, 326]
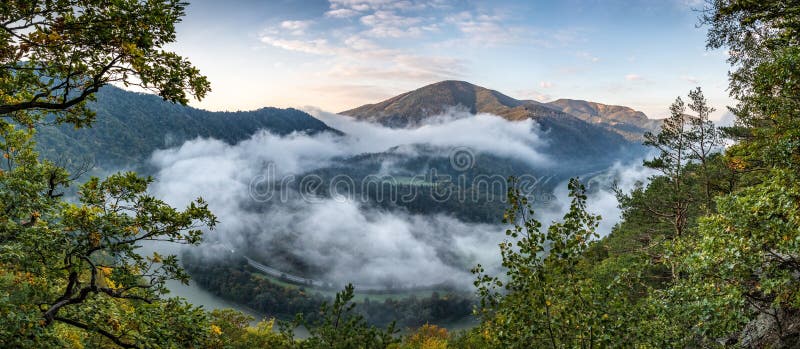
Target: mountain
[412, 108]
[631, 124]
[130, 126]
[571, 137]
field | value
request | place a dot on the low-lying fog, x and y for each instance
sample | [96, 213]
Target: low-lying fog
[354, 240]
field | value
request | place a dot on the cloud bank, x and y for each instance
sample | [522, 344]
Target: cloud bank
[343, 240]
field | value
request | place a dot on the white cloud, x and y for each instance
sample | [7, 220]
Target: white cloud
[296, 27]
[602, 199]
[315, 46]
[486, 30]
[342, 13]
[545, 84]
[634, 77]
[357, 57]
[359, 43]
[424, 72]
[388, 24]
[691, 4]
[375, 5]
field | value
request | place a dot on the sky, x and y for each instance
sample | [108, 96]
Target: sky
[340, 54]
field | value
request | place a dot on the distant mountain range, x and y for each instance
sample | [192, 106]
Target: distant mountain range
[130, 126]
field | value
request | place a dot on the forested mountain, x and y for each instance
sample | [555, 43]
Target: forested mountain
[129, 126]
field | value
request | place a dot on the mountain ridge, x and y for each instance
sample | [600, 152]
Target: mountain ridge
[411, 108]
[630, 123]
[129, 126]
[570, 137]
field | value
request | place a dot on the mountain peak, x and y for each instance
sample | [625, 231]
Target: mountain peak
[452, 84]
[411, 108]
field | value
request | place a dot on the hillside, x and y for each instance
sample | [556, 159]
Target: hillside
[630, 123]
[130, 126]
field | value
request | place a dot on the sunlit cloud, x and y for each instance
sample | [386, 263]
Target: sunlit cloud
[634, 77]
[315, 46]
[342, 13]
[296, 27]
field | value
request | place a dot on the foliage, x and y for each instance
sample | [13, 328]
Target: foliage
[77, 263]
[747, 254]
[426, 337]
[548, 297]
[55, 55]
[339, 327]
[70, 270]
[231, 329]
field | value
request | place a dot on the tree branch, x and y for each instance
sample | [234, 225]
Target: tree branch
[104, 333]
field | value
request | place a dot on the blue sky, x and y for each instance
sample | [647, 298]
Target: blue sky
[339, 54]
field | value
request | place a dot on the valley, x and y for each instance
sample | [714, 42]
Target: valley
[306, 196]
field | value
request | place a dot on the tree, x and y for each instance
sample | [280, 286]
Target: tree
[762, 42]
[672, 142]
[231, 329]
[55, 54]
[744, 260]
[341, 328]
[703, 139]
[426, 337]
[80, 260]
[683, 140]
[548, 298]
[73, 266]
